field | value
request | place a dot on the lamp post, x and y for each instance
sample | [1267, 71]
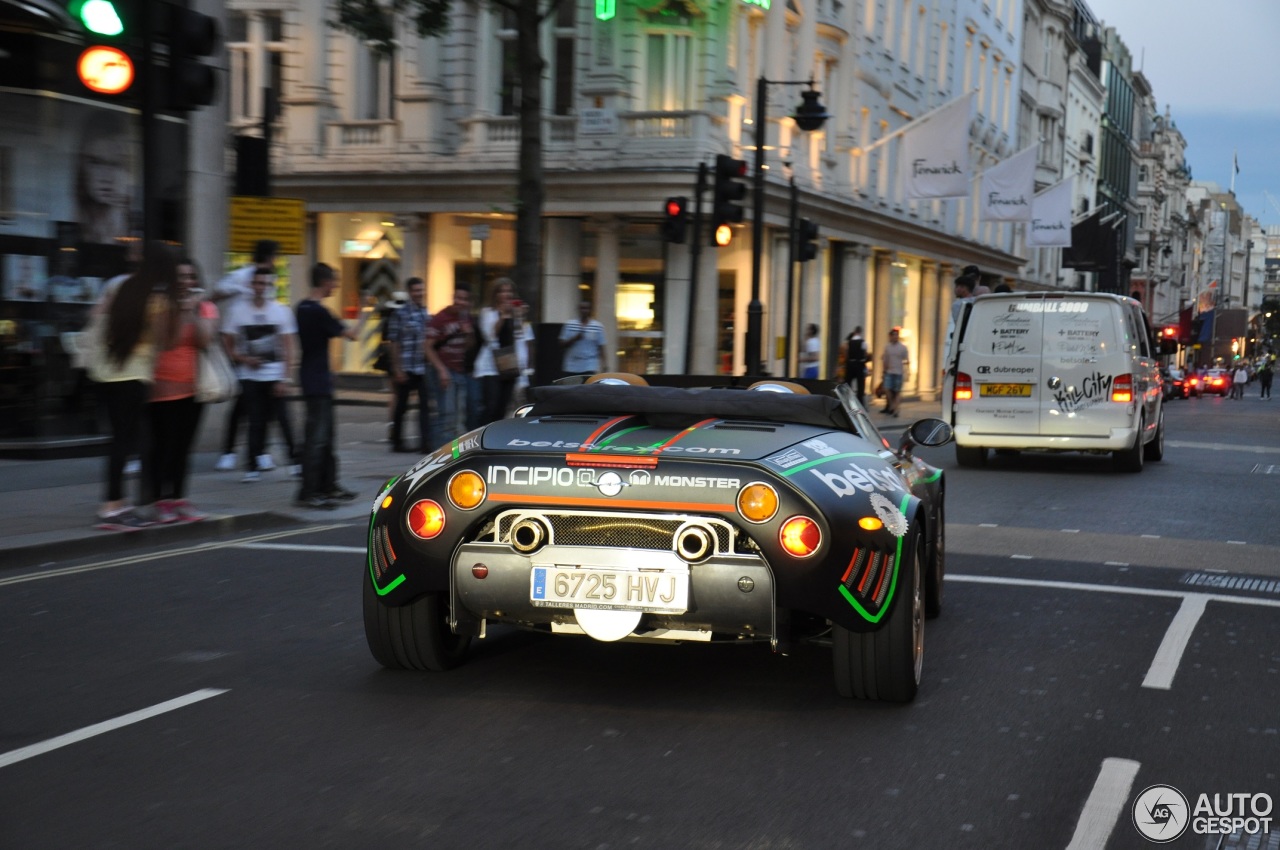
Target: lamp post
[810, 115]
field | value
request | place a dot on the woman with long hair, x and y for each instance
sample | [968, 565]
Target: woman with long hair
[124, 371]
[185, 326]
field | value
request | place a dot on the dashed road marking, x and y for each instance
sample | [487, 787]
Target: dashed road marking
[1105, 804]
[15, 756]
[300, 547]
[1169, 655]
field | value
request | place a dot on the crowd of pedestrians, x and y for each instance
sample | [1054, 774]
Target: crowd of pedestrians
[463, 367]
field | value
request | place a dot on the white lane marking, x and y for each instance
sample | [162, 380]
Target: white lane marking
[15, 756]
[1106, 802]
[168, 553]
[1169, 655]
[988, 525]
[1108, 588]
[1237, 542]
[1151, 536]
[1021, 557]
[1163, 667]
[1070, 531]
[295, 547]
[1115, 563]
[1221, 447]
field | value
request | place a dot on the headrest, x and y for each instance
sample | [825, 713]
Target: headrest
[617, 379]
[769, 386]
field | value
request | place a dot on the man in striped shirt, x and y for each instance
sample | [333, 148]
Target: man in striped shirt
[583, 343]
[406, 343]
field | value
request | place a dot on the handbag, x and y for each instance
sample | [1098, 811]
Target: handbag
[506, 362]
[215, 379]
[880, 390]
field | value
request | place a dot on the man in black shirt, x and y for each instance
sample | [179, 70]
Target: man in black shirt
[855, 363]
[316, 326]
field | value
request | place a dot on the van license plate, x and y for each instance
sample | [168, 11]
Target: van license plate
[1005, 389]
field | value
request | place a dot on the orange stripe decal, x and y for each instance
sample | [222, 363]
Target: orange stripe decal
[612, 503]
[591, 440]
[686, 432]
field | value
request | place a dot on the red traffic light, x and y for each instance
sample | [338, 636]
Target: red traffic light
[676, 221]
[675, 206]
[105, 70]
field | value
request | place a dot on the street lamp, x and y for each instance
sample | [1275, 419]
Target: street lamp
[809, 116]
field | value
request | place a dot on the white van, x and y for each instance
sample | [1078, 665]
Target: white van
[1056, 371]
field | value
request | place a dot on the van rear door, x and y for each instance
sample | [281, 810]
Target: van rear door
[1000, 360]
[1085, 351]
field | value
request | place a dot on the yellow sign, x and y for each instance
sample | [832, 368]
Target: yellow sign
[281, 219]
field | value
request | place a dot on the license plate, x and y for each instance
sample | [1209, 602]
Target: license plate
[1005, 389]
[658, 592]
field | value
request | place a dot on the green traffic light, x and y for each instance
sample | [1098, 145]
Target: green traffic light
[100, 17]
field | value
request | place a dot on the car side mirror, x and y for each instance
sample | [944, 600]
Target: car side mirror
[924, 432]
[930, 432]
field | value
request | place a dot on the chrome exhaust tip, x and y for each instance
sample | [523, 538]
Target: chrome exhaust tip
[694, 543]
[528, 535]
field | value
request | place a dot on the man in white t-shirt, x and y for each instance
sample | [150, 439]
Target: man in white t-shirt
[261, 337]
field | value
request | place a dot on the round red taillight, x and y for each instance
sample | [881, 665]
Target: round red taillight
[800, 536]
[426, 519]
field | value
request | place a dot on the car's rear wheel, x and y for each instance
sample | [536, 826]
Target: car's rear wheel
[971, 455]
[937, 566]
[1154, 450]
[1130, 459]
[886, 664]
[414, 636]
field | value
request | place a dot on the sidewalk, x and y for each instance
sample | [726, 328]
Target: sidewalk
[48, 507]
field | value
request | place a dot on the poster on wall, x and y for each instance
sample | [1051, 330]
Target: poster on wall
[67, 161]
[26, 278]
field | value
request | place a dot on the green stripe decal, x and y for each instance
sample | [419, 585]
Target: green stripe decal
[937, 473]
[802, 467]
[623, 432]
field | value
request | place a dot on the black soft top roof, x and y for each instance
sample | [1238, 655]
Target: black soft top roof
[676, 404]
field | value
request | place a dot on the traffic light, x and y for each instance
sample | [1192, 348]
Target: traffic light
[1168, 341]
[99, 17]
[192, 37]
[730, 189]
[806, 240]
[676, 221]
[103, 67]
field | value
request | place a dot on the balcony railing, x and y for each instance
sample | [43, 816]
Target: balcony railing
[362, 136]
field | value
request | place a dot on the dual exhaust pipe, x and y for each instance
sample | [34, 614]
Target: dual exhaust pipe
[693, 543]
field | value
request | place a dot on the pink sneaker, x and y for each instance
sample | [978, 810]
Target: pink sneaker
[186, 513]
[166, 511]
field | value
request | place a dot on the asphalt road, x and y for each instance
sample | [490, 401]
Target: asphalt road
[222, 696]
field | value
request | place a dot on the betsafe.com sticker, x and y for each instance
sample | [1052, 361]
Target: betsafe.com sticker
[1162, 813]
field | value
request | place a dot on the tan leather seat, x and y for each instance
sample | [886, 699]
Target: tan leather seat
[769, 386]
[617, 378]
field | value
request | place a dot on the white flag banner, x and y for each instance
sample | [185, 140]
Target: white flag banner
[1050, 225]
[935, 153]
[1008, 188]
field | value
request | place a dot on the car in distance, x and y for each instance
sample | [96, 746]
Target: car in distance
[621, 510]
[1217, 382]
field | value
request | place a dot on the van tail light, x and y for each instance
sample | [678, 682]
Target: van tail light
[1122, 388]
[964, 387]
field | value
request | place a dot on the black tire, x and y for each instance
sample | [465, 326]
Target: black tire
[971, 455]
[1154, 450]
[885, 664]
[1130, 459]
[414, 636]
[937, 571]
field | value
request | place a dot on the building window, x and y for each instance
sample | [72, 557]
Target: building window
[668, 71]
[560, 66]
[374, 85]
[255, 53]
[562, 70]
[1144, 174]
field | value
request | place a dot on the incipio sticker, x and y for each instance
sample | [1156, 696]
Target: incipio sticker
[787, 459]
[889, 515]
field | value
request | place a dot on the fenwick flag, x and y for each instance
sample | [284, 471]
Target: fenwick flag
[1007, 188]
[935, 152]
[1050, 225]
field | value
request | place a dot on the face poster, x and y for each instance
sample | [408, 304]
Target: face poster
[68, 162]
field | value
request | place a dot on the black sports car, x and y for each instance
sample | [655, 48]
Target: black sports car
[621, 510]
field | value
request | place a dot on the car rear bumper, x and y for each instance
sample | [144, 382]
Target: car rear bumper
[1118, 440]
[731, 594]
